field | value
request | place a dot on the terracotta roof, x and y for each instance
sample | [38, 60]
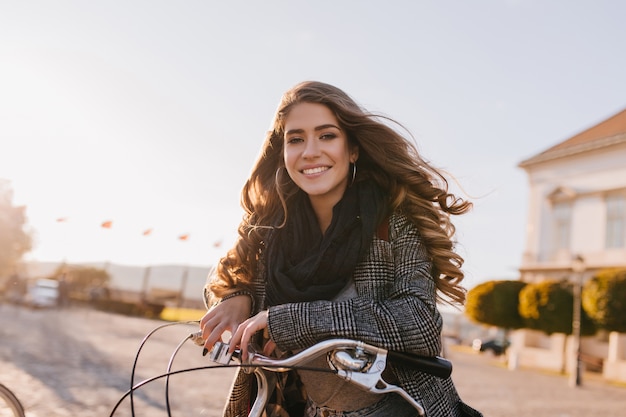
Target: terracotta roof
[605, 133]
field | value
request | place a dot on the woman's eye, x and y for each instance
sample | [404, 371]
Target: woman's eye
[327, 136]
[294, 139]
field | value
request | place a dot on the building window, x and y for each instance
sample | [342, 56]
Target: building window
[615, 221]
[561, 225]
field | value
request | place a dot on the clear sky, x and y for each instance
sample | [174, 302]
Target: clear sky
[151, 113]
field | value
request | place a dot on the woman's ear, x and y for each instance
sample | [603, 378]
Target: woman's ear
[354, 154]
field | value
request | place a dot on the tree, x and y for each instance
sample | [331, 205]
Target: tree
[604, 298]
[15, 241]
[84, 280]
[495, 303]
[548, 306]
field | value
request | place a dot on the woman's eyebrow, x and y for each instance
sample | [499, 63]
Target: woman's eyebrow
[327, 126]
[317, 128]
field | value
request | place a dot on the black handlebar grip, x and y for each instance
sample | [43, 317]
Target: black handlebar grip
[433, 365]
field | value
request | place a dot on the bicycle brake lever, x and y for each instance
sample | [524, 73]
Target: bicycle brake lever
[383, 387]
[370, 377]
[219, 353]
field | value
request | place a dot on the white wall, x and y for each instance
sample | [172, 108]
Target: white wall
[587, 176]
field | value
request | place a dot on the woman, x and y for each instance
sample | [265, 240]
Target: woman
[346, 234]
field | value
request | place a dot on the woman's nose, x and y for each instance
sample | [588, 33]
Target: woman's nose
[311, 149]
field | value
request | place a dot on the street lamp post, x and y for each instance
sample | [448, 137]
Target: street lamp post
[578, 267]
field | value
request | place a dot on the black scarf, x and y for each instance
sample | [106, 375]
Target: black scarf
[303, 264]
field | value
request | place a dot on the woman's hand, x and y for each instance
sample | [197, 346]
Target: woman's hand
[224, 317]
[246, 330]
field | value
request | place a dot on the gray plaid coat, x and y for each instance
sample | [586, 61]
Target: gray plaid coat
[395, 309]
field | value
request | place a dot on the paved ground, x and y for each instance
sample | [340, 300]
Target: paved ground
[78, 363]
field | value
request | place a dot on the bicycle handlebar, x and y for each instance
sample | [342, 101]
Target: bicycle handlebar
[352, 360]
[432, 365]
[359, 363]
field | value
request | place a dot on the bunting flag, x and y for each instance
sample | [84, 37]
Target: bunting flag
[108, 224]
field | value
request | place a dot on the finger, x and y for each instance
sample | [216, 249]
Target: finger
[207, 316]
[208, 326]
[213, 336]
[236, 338]
[250, 327]
[245, 340]
[269, 347]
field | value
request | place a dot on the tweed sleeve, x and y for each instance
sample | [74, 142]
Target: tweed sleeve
[395, 307]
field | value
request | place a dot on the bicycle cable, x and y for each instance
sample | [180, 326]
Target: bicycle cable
[204, 368]
[169, 369]
[129, 393]
[134, 387]
[141, 345]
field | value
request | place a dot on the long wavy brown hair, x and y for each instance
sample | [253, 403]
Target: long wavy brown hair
[415, 188]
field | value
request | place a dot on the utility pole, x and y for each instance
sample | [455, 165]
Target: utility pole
[578, 267]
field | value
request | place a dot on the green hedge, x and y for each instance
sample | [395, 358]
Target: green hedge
[548, 306]
[604, 297]
[495, 303]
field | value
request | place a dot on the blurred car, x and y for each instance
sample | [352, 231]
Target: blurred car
[43, 293]
[496, 346]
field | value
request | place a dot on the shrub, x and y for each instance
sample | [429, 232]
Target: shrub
[127, 308]
[495, 303]
[604, 298]
[548, 306]
[83, 279]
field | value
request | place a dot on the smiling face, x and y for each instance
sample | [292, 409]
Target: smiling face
[317, 154]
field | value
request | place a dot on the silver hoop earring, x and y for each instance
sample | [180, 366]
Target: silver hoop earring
[353, 174]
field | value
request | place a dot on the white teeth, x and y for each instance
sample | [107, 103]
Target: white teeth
[314, 170]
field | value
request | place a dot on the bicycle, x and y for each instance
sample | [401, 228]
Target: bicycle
[357, 362]
[10, 405]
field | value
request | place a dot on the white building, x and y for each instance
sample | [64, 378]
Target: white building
[577, 202]
[577, 207]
